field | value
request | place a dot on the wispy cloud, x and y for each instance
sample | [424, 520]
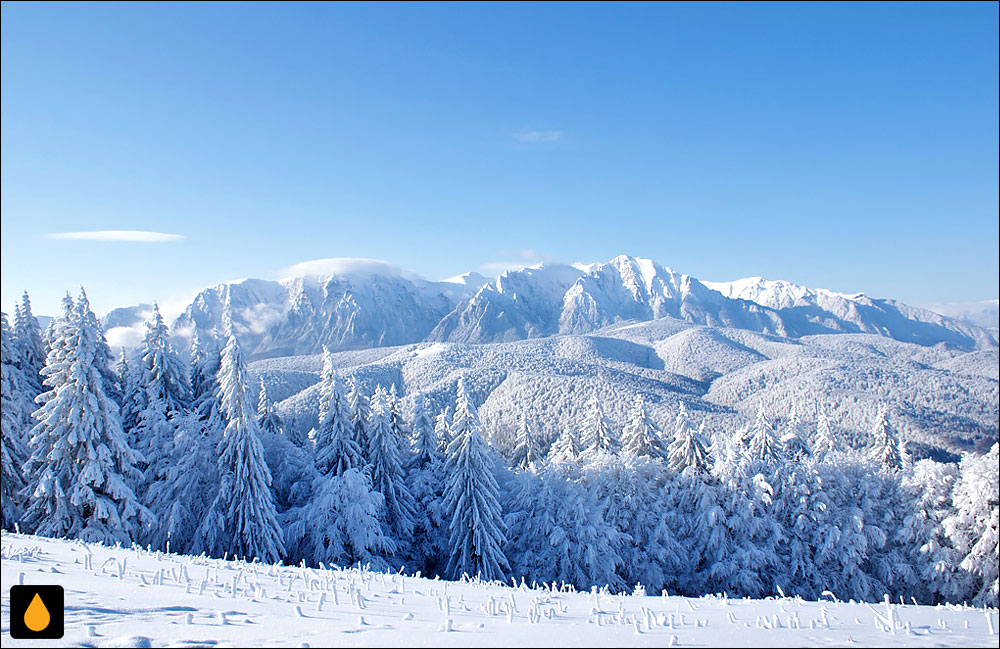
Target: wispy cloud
[140, 236]
[516, 259]
[537, 137]
[345, 266]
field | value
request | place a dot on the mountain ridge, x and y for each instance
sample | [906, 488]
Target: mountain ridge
[369, 307]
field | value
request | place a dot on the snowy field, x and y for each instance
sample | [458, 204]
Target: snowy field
[126, 597]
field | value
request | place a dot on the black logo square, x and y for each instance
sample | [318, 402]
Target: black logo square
[36, 612]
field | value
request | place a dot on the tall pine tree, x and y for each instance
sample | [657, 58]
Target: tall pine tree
[473, 496]
[886, 449]
[641, 437]
[336, 449]
[84, 464]
[12, 450]
[241, 520]
[386, 468]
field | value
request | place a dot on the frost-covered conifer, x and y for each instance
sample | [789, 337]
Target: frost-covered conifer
[291, 465]
[634, 498]
[566, 448]
[794, 439]
[688, 448]
[426, 480]
[929, 489]
[886, 449]
[242, 519]
[53, 374]
[526, 453]
[826, 440]
[974, 528]
[357, 405]
[641, 438]
[29, 348]
[82, 462]
[598, 438]
[423, 440]
[477, 527]
[12, 450]
[267, 417]
[761, 443]
[336, 449]
[442, 430]
[191, 481]
[397, 423]
[163, 380]
[557, 531]
[386, 468]
[341, 523]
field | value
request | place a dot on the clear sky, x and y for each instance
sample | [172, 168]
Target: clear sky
[851, 147]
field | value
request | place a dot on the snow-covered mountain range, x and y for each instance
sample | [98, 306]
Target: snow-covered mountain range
[377, 306]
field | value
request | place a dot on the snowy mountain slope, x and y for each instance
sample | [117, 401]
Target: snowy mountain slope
[627, 288]
[806, 310]
[942, 399]
[117, 597]
[518, 304]
[302, 315]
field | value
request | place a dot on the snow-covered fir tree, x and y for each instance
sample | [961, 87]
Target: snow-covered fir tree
[290, 464]
[358, 407]
[12, 450]
[634, 499]
[886, 449]
[340, 524]
[336, 449]
[598, 437]
[558, 533]
[241, 520]
[423, 439]
[187, 485]
[163, 380]
[566, 448]
[477, 529]
[793, 438]
[58, 334]
[397, 423]
[761, 443]
[28, 357]
[29, 347]
[641, 437]
[974, 528]
[386, 468]
[526, 453]
[442, 430]
[267, 416]
[930, 489]
[688, 448]
[80, 488]
[825, 441]
[426, 480]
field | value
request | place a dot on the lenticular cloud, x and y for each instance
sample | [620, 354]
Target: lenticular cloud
[141, 236]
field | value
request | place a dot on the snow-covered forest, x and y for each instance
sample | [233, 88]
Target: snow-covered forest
[192, 457]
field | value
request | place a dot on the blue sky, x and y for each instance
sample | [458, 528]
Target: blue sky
[851, 147]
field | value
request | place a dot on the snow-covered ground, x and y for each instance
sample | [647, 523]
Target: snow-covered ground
[132, 597]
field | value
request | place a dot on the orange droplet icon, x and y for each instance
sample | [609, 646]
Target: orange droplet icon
[37, 617]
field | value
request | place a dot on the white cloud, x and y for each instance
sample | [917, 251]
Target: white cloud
[346, 266]
[537, 137]
[127, 337]
[517, 259]
[141, 236]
